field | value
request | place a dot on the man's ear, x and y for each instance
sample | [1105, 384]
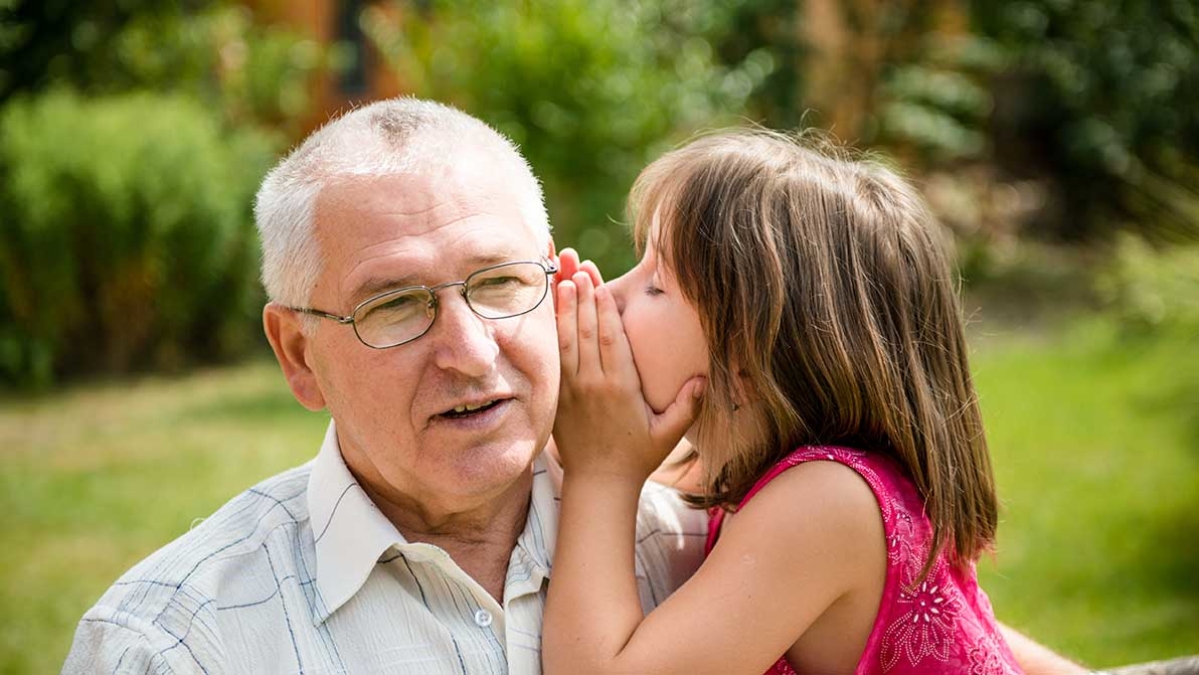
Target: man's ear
[283, 330]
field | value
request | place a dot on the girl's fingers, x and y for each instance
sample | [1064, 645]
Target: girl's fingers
[568, 265]
[567, 318]
[592, 270]
[615, 354]
[668, 428]
[588, 331]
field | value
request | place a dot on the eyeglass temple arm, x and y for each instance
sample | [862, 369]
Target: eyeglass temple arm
[324, 315]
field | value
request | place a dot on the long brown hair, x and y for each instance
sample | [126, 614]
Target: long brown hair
[825, 292]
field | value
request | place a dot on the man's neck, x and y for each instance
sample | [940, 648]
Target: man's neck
[479, 540]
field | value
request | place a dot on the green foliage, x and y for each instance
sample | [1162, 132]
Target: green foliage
[251, 72]
[937, 104]
[126, 238]
[1101, 95]
[51, 42]
[932, 96]
[1152, 289]
[590, 89]
[768, 28]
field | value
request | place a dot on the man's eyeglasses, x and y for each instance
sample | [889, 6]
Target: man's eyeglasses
[403, 315]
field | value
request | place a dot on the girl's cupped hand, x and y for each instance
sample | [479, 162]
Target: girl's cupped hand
[604, 426]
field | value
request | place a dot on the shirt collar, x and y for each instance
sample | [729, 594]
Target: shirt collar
[532, 559]
[351, 534]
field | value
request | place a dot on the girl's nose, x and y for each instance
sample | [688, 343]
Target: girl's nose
[619, 289]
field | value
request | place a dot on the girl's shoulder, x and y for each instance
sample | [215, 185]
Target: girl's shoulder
[896, 497]
[841, 487]
[883, 474]
[935, 624]
[894, 494]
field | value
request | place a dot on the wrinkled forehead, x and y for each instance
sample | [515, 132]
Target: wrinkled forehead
[417, 228]
[418, 203]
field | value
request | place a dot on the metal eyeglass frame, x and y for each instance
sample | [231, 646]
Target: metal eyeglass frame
[549, 266]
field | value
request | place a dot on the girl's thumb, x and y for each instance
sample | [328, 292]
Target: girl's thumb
[670, 426]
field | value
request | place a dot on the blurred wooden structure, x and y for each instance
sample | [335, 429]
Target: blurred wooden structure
[848, 43]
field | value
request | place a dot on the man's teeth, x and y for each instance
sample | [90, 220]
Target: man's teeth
[472, 408]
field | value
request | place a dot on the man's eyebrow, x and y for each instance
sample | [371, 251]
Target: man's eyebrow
[377, 285]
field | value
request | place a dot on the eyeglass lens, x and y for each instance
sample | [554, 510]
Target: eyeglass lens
[493, 293]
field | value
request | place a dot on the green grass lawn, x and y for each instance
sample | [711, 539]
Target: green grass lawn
[97, 477]
[1095, 442]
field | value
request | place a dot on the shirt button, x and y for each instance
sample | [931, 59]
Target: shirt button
[482, 618]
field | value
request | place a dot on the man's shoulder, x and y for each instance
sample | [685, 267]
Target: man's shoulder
[243, 525]
[223, 550]
[670, 542]
[662, 511]
[163, 613]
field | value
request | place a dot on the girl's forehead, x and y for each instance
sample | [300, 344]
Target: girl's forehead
[654, 236]
[654, 258]
[651, 243]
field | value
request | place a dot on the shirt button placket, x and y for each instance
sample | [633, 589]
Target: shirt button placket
[482, 618]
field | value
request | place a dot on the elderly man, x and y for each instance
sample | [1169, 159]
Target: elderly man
[407, 256]
[408, 259]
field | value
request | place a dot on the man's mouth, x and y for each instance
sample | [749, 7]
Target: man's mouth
[469, 409]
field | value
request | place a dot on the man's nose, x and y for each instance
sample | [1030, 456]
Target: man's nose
[463, 341]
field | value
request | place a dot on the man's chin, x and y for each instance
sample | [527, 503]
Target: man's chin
[493, 466]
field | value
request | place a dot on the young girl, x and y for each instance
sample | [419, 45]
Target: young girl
[793, 314]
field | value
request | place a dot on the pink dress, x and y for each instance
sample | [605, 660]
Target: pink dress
[945, 624]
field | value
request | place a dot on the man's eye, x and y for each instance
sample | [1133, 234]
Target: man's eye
[398, 308]
[399, 302]
[496, 282]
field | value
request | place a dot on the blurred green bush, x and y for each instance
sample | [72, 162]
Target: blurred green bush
[126, 239]
[1066, 118]
[590, 89]
[251, 71]
[1153, 288]
[1100, 95]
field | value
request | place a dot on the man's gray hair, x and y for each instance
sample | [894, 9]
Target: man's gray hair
[396, 136]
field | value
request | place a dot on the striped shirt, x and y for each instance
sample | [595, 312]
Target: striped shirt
[303, 574]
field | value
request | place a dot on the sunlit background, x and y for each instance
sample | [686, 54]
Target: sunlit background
[1057, 139]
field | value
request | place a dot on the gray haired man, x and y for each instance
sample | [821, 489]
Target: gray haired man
[408, 260]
